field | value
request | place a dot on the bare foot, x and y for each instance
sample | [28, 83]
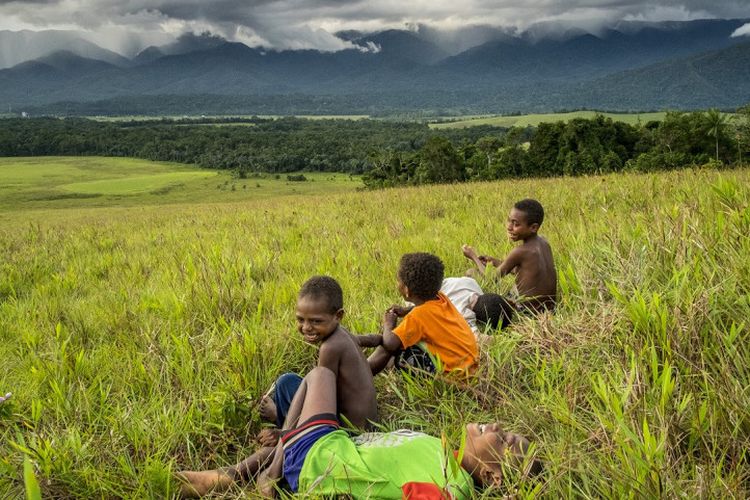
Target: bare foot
[196, 484]
[269, 437]
[266, 485]
[267, 409]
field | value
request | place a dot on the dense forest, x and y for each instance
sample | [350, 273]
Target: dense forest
[577, 147]
[397, 153]
[247, 145]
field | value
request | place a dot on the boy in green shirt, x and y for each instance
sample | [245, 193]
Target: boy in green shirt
[316, 458]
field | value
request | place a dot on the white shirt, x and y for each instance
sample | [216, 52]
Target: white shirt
[460, 291]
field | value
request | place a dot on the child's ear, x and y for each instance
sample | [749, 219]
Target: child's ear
[534, 227]
[340, 314]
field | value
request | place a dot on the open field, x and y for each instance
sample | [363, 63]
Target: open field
[219, 117]
[57, 182]
[536, 119]
[136, 338]
[455, 122]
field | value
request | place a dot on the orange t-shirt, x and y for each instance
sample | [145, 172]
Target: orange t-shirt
[444, 331]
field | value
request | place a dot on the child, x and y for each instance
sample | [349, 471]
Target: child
[479, 309]
[432, 328]
[531, 262]
[317, 459]
[319, 311]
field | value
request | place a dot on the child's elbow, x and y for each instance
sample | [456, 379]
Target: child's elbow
[391, 343]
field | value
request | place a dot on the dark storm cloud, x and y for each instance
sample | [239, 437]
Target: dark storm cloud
[311, 23]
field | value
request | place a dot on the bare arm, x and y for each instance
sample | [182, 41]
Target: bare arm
[480, 261]
[512, 261]
[269, 476]
[329, 356]
[472, 255]
[391, 343]
[370, 340]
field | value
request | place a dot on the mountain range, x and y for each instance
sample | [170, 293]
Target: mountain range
[631, 66]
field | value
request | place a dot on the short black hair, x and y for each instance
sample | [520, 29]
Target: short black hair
[422, 273]
[493, 309]
[533, 210]
[324, 287]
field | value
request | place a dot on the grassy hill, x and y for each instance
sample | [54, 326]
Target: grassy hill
[137, 340]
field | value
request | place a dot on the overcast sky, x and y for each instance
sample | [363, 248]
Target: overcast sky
[128, 25]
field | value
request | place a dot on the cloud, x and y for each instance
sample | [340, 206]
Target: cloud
[742, 31]
[299, 24]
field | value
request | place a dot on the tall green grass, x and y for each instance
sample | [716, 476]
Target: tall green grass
[136, 341]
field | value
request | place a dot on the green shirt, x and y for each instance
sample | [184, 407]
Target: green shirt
[377, 465]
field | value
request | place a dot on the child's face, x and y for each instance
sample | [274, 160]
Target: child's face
[315, 321]
[487, 445]
[518, 225]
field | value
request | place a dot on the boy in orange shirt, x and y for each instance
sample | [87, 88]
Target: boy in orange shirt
[433, 328]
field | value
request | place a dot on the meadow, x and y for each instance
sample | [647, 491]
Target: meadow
[532, 120]
[92, 181]
[136, 339]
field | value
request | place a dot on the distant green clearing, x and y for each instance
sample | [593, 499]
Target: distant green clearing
[536, 119]
[90, 181]
[135, 185]
[126, 118]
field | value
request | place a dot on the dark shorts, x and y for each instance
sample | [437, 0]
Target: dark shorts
[414, 359]
[518, 308]
[298, 441]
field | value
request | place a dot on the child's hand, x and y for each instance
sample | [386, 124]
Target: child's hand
[487, 259]
[269, 437]
[469, 252]
[400, 311]
[389, 319]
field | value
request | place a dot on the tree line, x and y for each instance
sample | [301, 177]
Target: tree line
[396, 153]
[245, 145]
[577, 147]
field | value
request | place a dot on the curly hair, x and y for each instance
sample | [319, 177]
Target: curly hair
[492, 309]
[422, 273]
[324, 287]
[533, 209]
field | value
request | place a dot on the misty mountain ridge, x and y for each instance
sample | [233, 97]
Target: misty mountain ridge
[20, 46]
[412, 68]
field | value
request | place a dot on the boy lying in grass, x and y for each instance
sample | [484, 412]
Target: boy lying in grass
[432, 328]
[320, 308]
[479, 309]
[531, 262]
[316, 458]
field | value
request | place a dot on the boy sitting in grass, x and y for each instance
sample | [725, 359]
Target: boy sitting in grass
[317, 459]
[320, 308]
[531, 262]
[433, 327]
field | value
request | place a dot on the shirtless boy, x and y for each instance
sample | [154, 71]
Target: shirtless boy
[319, 312]
[531, 262]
